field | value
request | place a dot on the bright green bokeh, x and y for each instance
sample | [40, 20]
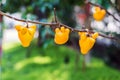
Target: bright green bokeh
[48, 64]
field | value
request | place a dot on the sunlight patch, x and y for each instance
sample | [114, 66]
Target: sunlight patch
[36, 60]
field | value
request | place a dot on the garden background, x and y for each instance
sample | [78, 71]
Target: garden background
[45, 60]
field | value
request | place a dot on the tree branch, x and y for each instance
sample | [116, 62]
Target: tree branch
[56, 25]
[22, 20]
[105, 10]
[91, 31]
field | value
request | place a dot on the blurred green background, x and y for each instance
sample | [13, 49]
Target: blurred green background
[43, 59]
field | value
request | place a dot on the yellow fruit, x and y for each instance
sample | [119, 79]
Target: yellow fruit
[95, 35]
[18, 27]
[61, 35]
[99, 14]
[25, 34]
[86, 42]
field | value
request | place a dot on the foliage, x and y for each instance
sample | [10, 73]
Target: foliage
[52, 66]
[14, 6]
[104, 3]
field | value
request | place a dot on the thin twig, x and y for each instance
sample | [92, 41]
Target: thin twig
[22, 20]
[55, 17]
[105, 10]
[27, 24]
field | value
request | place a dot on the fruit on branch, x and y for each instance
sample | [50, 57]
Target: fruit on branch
[25, 34]
[86, 42]
[61, 35]
[95, 35]
[99, 14]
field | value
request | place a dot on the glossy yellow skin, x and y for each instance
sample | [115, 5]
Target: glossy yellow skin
[99, 14]
[25, 34]
[86, 43]
[61, 35]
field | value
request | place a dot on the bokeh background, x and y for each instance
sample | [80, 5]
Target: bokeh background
[43, 59]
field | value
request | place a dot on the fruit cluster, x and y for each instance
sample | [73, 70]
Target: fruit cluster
[86, 41]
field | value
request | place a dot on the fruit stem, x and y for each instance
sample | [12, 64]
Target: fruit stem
[27, 24]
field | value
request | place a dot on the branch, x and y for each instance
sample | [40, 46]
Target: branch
[55, 17]
[91, 31]
[105, 10]
[56, 25]
[22, 20]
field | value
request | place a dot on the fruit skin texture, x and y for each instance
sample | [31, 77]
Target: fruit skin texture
[99, 14]
[25, 34]
[61, 35]
[86, 43]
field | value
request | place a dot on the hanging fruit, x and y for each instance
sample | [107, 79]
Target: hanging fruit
[25, 34]
[61, 35]
[86, 42]
[99, 14]
[95, 35]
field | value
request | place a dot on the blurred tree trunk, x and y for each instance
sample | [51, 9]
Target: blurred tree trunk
[0, 42]
[77, 59]
[1, 28]
[87, 58]
[28, 52]
[73, 43]
[117, 3]
[40, 40]
[41, 16]
[1, 37]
